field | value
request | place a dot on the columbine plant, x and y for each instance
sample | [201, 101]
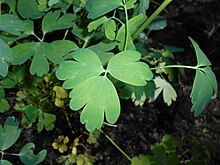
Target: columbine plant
[95, 52]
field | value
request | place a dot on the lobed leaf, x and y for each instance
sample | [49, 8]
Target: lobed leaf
[12, 24]
[98, 96]
[28, 9]
[204, 86]
[169, 93]
[46, 120]
[27, 156]
[5, 56]
[52, 21]
[9, 133]
[87, 65]
[96, 23]
[42, 52]
[110, 28]
[97, 8]
[4, 106]
[125, 67]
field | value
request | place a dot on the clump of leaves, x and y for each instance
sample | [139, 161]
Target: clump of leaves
[9, 134]
[165, 152]
[73, 157]
[61, 143]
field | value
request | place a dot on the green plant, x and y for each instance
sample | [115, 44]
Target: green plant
[97, 48]
[166, 152]
[9, 134]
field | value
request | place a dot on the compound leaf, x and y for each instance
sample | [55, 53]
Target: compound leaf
[27, 156]
[97, 8]
[169, 94]
[99, 97]
[5, 56]
[52, 21]
[83, 75]
[205, 85]
[125, 67]
[87, 65]
[9, 133]
[42, 52]
[201, 57]
[28, 9]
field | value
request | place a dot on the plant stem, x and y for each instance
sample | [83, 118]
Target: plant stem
[109, 138]
[151, 18]
[126, 26]
[175, 66]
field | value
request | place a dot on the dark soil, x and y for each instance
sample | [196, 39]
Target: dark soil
[139, 127]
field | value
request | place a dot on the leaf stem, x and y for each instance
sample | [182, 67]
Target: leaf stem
[175, 66]
[37, 37]
[126, 26]
[151, 18]
[110, 139]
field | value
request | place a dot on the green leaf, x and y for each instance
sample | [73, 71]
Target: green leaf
[125, 67]
[83, 76]
[87, 65]
[52, 2]
[201, 57]
[9, 133]
[30, 116]
[140, 160]
[110, 28]
[143, 6]
[169, 93]
[130, 4]
[99, 97]
[97, 8]
[5, 56]
[52, 21]
[4, 106]
[96, 23]
[203, 89]
[27, 156]
[5, 162]
[42, 52]
[46, 120]
[205, 85]
[12, 24]
[158, 23]
[28, 9]
[173, 49]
